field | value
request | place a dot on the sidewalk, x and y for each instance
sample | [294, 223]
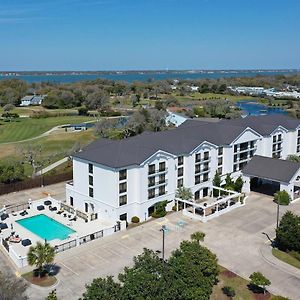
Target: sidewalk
[52, 166]
[266, 253]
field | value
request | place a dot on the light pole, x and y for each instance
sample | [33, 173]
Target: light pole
[163, 229]
[277, 222]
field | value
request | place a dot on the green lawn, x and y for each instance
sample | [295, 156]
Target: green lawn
[287, 258]
[26, 128]
[54, 146]
[212, 96]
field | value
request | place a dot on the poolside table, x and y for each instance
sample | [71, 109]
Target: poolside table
[26, 242]
[40, 207]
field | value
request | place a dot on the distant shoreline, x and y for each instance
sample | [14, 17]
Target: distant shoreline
[124, 72]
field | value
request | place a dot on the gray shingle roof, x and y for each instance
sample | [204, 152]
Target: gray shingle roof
[178, 141]
[275, 169]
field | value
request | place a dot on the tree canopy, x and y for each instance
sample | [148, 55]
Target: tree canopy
[288, 232]
[189, 274]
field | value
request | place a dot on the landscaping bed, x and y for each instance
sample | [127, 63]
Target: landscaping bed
[240, 286]
[43, 281]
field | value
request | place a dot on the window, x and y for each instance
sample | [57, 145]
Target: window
[197, 179]
[197, 157]
[206, 155]
[91, 180]
[162, 178]
[243, 146]
[86, 207]
[180, 182]
[220, 161]
[197, 169]
[220, 170]
[180, 172]
[123, 187]
[235, 148]
[298, 132]
[162, 190]
[151, 169]
[180, 160]
[123, 174]
[91, 168]
[279, 137]
[205, 166]
[151, 193]
[151, 181]
[91, 192]
[274, 139]
[235, 168]
[252, 144]
[71, 201]
[235, 158]
[220, 151]
[123, 217]
[122, 200]
[205, 177]
[197, 195]
[162, 166]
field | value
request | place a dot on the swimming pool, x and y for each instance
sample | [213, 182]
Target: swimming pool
[46, 228]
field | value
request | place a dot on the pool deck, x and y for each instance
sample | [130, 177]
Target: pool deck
[80, 226]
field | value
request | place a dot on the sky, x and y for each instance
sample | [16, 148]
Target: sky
[149, 34]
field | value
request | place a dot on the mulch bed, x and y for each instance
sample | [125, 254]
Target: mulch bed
[265, 296]
[228, 274]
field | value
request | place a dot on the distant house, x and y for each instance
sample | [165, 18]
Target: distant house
[175, 118]
[32, 100]
[193, 88]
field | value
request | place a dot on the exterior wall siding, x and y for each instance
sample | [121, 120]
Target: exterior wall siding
[105, 200]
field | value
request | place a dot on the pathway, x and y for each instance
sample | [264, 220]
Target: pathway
[52, 166]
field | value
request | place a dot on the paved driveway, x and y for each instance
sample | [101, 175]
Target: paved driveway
[235, 237]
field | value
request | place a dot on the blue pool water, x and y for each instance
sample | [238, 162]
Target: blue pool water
[46, 228]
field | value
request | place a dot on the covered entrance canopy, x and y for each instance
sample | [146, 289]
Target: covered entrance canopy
[268, 175]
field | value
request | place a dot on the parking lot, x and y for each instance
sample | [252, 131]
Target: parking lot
[235, 237]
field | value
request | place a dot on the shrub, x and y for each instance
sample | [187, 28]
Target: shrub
[258, 282]
[282, 197]
[135, 219]
[288, 232]
[83, 111]
[174, 208]
[238, 185]
[10, 115]
[228, 291]
[160, 209]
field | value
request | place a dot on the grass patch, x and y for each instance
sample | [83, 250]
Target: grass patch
[44, 281]
[26, 128]
[240, 286]
[286, 257]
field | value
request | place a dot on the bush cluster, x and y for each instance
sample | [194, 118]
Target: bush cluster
[135, 219]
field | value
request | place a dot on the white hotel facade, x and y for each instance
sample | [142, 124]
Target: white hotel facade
[117, 180]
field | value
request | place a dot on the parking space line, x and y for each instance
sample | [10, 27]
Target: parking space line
[68, 268]
[84, 262]
[100, 257]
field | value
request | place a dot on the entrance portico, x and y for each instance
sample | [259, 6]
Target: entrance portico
[269, 175]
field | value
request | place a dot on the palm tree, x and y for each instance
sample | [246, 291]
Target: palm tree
[184, 193]
[198, 236]
[40, 255]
